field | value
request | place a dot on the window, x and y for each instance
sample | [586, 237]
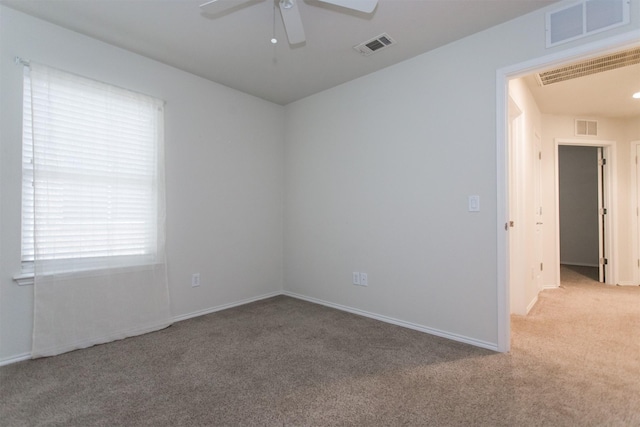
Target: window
[92, 164]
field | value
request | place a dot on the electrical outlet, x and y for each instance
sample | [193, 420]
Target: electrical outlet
[356, 278]
[195, 280]
[364, 281]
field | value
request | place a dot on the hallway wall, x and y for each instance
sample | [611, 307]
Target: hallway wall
[524, 263]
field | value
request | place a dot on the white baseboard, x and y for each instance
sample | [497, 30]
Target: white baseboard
[531, 304]
[578, 264]
[27, 356]
[405, 324]
[627, 283]
[386, 319]
[225, 306]
[15, 359]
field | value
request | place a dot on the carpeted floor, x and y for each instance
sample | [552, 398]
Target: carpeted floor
[578, 274]
[284, 362]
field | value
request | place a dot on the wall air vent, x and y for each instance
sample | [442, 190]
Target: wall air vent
[591, 66]
[584, 18]
[586, 127]
[374, 45]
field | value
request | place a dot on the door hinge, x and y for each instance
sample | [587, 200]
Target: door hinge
[604, 261]
[603, 211]
[541, 267]
[602, 162]
[539, 155]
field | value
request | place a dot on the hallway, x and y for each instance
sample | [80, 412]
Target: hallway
[588, 335]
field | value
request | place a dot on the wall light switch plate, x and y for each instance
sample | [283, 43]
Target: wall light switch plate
[364, 281]
[195, 279]
[356, 278]
[474, 203]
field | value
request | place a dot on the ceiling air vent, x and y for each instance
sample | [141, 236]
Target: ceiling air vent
[586, 127]
[584, 18]
[591, 66]
[374, 45]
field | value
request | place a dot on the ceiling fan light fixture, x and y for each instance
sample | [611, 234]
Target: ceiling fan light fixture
[636, 95]
[286, 4]
[274, 40]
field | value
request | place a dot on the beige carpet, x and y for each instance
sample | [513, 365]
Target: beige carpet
[285, 362]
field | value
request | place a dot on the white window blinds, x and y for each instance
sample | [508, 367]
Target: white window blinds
[91, 168]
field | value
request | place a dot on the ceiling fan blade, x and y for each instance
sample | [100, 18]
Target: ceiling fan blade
[292, 21]
[215, 7]
[366, 6]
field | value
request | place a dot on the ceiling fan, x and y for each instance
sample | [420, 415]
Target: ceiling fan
[289, 11]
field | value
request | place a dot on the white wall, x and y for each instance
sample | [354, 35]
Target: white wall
[524, 265]
[224, 162]
[377, 174]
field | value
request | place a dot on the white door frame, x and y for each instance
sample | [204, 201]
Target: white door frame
[635, 192]
[610, 201]
[503, 75]
[516, 186]
[540, 230]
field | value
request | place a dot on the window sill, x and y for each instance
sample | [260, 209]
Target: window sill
[25, 279]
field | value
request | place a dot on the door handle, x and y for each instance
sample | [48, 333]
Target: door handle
[538, 223]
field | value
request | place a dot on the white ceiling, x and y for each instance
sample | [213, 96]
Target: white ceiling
[234, 48]
[606, 94]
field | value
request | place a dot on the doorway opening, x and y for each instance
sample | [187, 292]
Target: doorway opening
[585, 195]
[505, 168]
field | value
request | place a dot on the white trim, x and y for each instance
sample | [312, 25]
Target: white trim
[502, 213]
[579, 264]
[225, 306]
[532, 303]
[27, 356]
[503, 75]
[27, 277]
[15, 359]
[635, 229]
[386, 319]
[611, 199]
[626, 283]
[398, 322]
[24, 279]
